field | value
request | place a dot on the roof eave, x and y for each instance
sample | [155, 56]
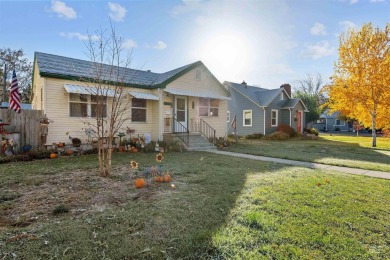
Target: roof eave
[70, 77]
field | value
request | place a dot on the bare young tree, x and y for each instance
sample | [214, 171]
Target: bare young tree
[109, 72]
[309, 90]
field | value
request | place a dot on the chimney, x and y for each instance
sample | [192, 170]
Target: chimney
[287, 88]
[244, 83]
[148, 71]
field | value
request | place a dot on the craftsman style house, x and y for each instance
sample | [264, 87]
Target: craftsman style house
[260, 110]
[182, 101]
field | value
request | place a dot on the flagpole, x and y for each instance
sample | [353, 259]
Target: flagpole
[5, 81]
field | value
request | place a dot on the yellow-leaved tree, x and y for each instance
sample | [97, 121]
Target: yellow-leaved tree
[360, 86]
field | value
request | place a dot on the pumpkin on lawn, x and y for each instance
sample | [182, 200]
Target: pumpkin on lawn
[139, 183]
[167, 178]
[53, 156]
[159, 179]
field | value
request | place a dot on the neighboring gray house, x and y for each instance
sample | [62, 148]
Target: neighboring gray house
[259, 110]
[331, 122]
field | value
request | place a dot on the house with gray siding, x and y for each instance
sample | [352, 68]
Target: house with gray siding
[260, 110]
[332, 122]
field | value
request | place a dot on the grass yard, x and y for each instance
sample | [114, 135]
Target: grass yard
[334, 150]
[221, 208]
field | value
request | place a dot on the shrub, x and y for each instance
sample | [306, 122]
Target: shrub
[254, 136]
[287, 130]
[277, 136]
[314, 131]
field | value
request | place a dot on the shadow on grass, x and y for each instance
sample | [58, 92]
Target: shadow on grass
[155, 223]
[320, 151]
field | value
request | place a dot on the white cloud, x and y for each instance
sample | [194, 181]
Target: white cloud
[353, 2]
[79, 36]
[186, 6]
[279, 69]
[318, 29]
[129, 44]
[318, 50]
[377, 1]
[62, 10]
[117, 13]
[346, 25]
[160, 45]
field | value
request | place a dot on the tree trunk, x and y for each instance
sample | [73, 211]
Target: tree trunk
[373, 129]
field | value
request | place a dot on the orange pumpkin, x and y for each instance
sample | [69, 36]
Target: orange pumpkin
[60, 145]
[159, 179]
[167, 178]
[134, 150]
[139, 183]
[69, 152]
[53, 156]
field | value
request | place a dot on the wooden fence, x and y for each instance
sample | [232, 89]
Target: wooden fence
[26, 124]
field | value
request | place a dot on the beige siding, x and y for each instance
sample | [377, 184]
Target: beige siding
[206, 85]
[57, 109]
[37, 103]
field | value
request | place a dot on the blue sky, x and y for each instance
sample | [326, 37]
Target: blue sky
[265, 42]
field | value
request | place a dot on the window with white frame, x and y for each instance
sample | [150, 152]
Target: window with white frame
[198, 74]
[138, 110]
[228, 116]
[274, 117]
[208, 107]
[82, 105]
[247, 117]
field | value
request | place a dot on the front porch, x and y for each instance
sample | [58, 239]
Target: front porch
[198, 135]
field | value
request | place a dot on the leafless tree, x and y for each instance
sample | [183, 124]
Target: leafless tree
[109, 72]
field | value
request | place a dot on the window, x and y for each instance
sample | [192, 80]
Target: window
[198, 74]
[281, 96]
[228, 116]
[81, 105]
[247, 117]
[274, 117]
[208, 107]
[138, 110]
[98, 106]
[340, 122]
[321, 121]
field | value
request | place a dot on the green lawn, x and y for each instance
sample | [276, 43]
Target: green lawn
[334, 150]
[221, 208]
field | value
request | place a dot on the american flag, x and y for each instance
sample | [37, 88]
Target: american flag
[14, 97]
[234, 123]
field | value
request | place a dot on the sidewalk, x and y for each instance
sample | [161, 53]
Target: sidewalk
[356, 171]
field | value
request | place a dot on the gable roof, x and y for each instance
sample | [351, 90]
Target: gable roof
[55, 66]
[264, 97]
[261, 96]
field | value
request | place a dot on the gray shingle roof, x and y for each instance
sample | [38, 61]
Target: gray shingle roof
[263, 97]
[64, 67]
[290, 103]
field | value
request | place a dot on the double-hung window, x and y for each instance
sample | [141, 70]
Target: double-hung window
[247, 117]
[274, 117]
[82, 105]
[138, 110]
[208, 107]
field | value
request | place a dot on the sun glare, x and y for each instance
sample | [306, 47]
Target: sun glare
[229, 53]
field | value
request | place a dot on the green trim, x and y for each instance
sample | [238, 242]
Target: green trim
[68, 77]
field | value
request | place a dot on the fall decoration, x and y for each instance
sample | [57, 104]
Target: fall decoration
[69, 152]
[134, 164]
[139, 183]
[159, 157]
[167, 178]
[53, 156]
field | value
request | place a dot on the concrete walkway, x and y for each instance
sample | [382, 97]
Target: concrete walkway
[376, 174]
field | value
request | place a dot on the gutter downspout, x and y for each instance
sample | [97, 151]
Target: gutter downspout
[160, 115]
[264, 120]
[290, 116]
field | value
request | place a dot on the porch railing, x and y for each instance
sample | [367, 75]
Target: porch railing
[181, 131]
[207, 131]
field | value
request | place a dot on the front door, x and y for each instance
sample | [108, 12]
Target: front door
[299, 121]
[181, 114]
